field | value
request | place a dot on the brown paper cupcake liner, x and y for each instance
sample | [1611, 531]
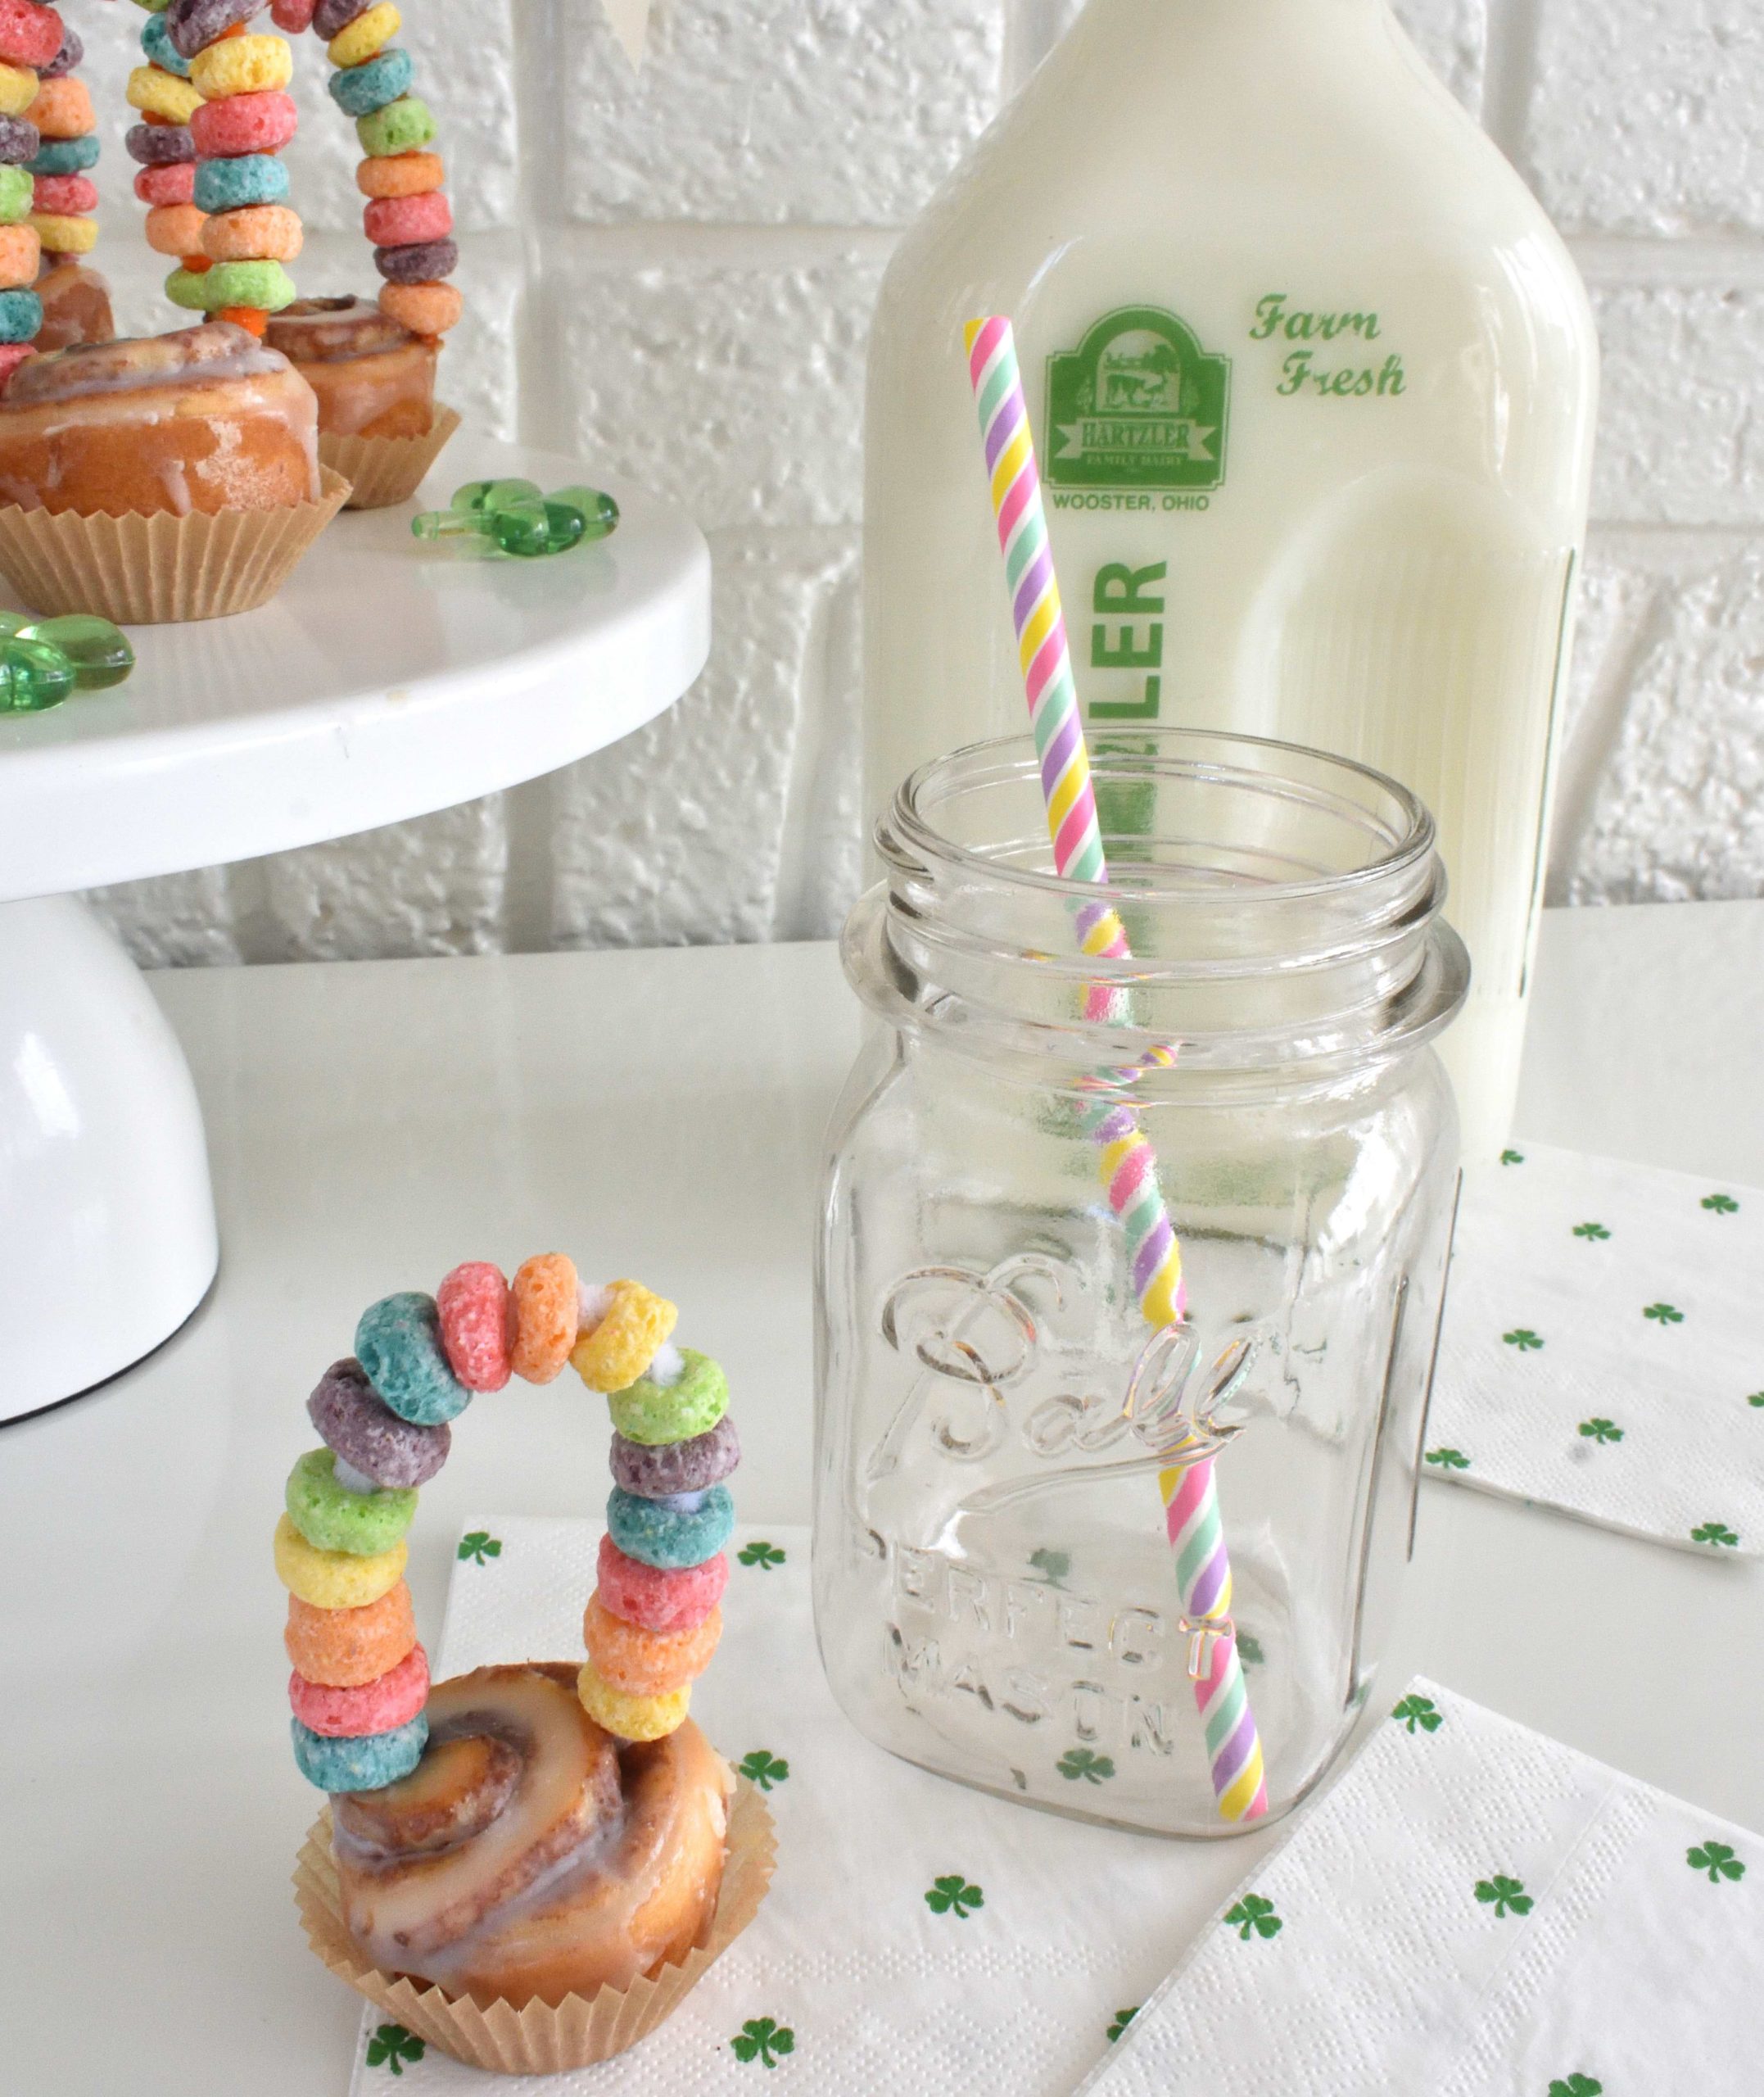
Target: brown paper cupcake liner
[155, 571]
[383, 470]
[540, 2039]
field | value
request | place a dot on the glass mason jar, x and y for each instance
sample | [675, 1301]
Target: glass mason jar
[995, 1594]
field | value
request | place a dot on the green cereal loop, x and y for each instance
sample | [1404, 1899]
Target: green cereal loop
[265, 287]
[400, 127]
[16, 190]
[332, 1518]
[658, 1413]
[184, 288]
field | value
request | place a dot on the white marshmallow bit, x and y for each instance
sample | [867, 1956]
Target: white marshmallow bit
[354, 1481]
[668, 1366]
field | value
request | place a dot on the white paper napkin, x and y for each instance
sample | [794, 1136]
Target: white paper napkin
[1472, 1911]
[1603, 1349]
[1042, 1930]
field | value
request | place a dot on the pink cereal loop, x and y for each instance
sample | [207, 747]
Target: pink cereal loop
[478, 1324]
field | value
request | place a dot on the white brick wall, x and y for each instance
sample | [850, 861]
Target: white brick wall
[673, 275]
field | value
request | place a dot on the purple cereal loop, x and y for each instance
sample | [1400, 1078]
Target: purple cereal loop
[425, 263]
[658, 1471]
[330, 16]
[19, 142]
[193, 24]
[353, 1421]
[70, 55]
[161, 145]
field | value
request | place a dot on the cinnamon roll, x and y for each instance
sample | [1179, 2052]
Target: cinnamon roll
[530, 1855]
[205, 419]
[372, 377]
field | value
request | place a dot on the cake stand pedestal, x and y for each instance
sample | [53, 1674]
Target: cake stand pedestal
[387, 680]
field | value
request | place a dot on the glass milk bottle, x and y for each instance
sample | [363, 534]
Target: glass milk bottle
[1313, 383]
[996, 1594]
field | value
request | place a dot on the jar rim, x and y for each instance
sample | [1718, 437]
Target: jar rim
[907, 826]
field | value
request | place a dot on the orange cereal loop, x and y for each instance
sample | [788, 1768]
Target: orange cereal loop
[348, 1648]
[63, 109]
[252, 318]
[640, 1663]
[20, 251]
[401, 175]
[255, 232]
[424, 309]
[543, 1290]
[176, 229]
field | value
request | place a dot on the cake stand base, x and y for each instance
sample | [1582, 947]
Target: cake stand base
[107, 1239]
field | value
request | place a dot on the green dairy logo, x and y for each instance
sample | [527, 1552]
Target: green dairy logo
[1137, 404]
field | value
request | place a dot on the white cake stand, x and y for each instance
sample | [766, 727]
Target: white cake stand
[387, 680]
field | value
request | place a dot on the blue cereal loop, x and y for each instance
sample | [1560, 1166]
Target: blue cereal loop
[20, 316]
[359, 1762]
[65, 156]
[359, 90]
[230, 185]
[663, 1537]
[156, 41]
[398, 1343]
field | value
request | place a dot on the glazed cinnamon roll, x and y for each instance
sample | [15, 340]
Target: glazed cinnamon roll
[203, 419]
[372, 377]
[530, 1854]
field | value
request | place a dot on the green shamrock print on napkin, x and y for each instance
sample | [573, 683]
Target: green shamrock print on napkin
[480, 1547]
[391, 2046]
[1756, 1398]
[1576, 2086]
[1052, 1565]
[954, 1896]
[1524, 1339]
[1419, 1711]
[1601, 1430]
[1591, 1231]
[1503, 1895]
[1720, 1204]
[1512, 1157]
[1250, 1650]
[1080, 1762]
[761, 2037]
[1714, 1533]
[1252, 1913]
[762, 1767]
[1717, 1859]
[764, 1555]
[1664, 1314]
[1448, 1459]
[1123, 2018]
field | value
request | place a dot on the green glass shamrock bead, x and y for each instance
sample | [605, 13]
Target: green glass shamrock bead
[599, 512]
[476, 496]
[99, 652]
[530, 528]
[33, 676]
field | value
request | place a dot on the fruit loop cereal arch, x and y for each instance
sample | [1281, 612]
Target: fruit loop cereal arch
[48, 147]
[384, 1415]
[215, 115]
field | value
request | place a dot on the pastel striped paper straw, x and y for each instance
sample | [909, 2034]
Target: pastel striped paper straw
[1127, 1163]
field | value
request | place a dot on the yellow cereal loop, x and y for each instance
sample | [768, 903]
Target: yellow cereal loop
[18, 90]
[335, 1580]
[66, 234]
[631, 1717]
[156, 93]
[242, 65]
[624, 1343]
[365, 35]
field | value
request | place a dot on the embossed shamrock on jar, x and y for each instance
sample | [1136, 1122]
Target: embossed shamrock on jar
[996, 1595]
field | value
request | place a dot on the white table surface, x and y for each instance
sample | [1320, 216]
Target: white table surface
[385, 680]
[371, 1125]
